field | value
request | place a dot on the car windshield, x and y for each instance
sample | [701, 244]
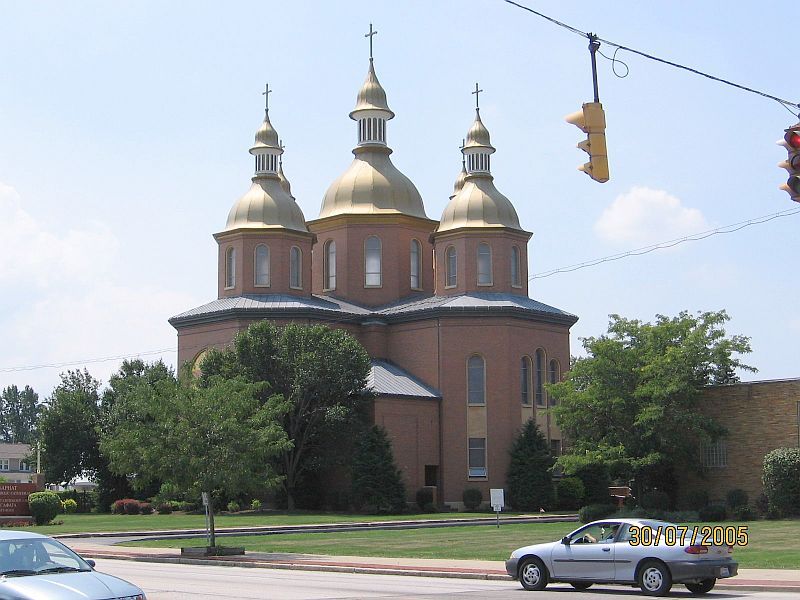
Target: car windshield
[35, 556]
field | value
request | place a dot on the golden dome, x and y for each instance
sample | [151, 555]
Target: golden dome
[371, 96]
[372, 185]
[266, 205]
[460, 180]
[479, 204]
[266, 136]
[287, 187]
[478, 135]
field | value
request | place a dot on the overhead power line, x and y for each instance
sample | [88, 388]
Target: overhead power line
[792, 106]
[668, 244]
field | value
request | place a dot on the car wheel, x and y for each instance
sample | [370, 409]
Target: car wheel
[655, 579]
[533, 574]
[581, 585]
[703, 587]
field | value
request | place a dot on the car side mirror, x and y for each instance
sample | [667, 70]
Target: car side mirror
[90, 562]
[565, 540]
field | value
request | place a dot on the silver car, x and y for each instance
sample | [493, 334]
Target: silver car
[36, 567]
[638, 552]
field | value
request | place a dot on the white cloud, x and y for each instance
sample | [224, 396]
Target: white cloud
[46, 259]
[70, 301]
[644, 216]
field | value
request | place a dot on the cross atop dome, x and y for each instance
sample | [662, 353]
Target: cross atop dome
[476, 92]
[369, 35]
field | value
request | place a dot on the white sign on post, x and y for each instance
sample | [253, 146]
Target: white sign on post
[497, 500]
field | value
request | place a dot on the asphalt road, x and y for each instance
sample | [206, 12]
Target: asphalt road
[200, 582]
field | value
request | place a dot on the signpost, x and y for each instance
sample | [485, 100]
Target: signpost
[498, 502]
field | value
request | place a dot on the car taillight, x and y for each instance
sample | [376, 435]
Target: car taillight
[730, 549]
[696, 549]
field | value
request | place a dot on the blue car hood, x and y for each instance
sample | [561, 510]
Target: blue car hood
[88, 585]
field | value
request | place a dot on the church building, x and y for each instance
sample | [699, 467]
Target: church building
[460, 352]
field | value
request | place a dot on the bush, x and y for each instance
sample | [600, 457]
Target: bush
[44, 506]
[165, 508]
[376, 482]
[233, 506]
[69, 506]
[570, 493]
[737, 497]
[472, 498]
[132, 507]
[118, 507]
[596, 482]
[696, 499]
[712, 513]
[744, 513]
[255, 504]
[146, 508]
[425, 499]
[529, 479]
[594, 512]
[782, 480]
[84, 501]
[654, 500]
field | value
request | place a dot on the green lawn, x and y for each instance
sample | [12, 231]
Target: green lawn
[97, 523]
[772, 544]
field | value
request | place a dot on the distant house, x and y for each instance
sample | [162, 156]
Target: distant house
[14, 466]
[760, 416]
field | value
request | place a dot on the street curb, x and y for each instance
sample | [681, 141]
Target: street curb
[792, 586]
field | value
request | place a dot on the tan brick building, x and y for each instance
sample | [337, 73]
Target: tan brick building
[760, 416]
[460, 351]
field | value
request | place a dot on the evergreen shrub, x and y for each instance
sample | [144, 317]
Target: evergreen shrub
[713, 513]
[529, 478]
[737, 497]
[782, 481]
[655, 499]
[425, 499]
[44, 506]
[472, 498]
[570, 493]
[594, 512]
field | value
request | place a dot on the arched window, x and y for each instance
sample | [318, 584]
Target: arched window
[261, 274]
[296, 268]
[525, 380]
[484, 264]
[330, 265]
[476, 380]
[516, 271]
[450, 259]
[230, 268]
[539, 383]
[416, 264]
[372, 262]
[553, 376]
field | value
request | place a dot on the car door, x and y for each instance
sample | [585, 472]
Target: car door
[588, 556]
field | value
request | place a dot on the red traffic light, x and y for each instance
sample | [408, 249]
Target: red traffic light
[793, 139]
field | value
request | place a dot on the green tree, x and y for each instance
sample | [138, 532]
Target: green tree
[529, 478]
[68, 428]
[321, 373]
[217, 437]
[19, 415]
[377, 482]
[632, 402]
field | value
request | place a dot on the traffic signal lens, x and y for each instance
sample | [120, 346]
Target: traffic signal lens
[794, 184]
[793, 139]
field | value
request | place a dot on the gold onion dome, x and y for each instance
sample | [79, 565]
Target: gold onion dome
[266, 136]
[479, 204]
[371, 96]
[287, 187]
[266, 205]
[460, 180]
[478, 135]
[372, 185]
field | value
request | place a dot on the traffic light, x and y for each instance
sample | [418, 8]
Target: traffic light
[791, 141]
[591, 119]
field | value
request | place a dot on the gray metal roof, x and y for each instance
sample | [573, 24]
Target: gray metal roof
[387, 379]
[285, 305]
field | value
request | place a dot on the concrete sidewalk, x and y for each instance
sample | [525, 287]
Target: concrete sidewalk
[779, 580]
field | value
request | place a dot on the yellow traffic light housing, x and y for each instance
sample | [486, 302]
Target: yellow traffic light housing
[791, 141]
[591, 119]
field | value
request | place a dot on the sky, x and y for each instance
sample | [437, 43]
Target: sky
[125, 128]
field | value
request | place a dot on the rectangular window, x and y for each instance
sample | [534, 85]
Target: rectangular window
[4, 464]
[555, 447]
[23, 466]
[477, 457]
[715, 455]
[431, 475]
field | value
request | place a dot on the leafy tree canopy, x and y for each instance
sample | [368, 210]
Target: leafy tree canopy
[632, 402]
[321, 373]
[68, 428]
[19, 415]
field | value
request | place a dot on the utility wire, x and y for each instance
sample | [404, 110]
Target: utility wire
[668, 244]
[785, 103]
